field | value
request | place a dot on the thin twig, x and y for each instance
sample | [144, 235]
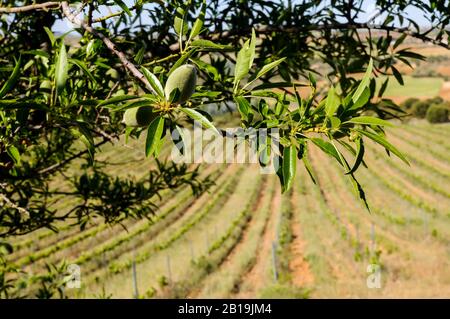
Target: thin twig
[38, 6]
[10, 203]
[56, 166]
[126, 63]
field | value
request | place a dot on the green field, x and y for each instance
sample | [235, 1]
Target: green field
[413, 86]
[319, 238]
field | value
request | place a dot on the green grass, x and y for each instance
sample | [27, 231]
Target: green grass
[413, 87]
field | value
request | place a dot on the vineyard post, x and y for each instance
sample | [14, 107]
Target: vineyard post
[192, 249]
[372, 238]
[425, 224]
[103, 259]
[207, 241]
[274, 261]
[278, 228]
[169, 270]
[357, 237]
[135, 286]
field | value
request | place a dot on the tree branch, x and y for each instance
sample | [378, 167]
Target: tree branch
[320, 27]
[126, 63]
[10, 203]
[37, 6]
[56, 166]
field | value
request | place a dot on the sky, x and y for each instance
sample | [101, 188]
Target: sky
[62, 26]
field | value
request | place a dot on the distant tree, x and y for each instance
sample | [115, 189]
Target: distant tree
[408, 103]
[438, 113]
[255, 54]
[420, 108]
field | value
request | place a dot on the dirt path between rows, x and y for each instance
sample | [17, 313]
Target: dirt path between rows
[299, 267]
[253, 280]
[256, 207]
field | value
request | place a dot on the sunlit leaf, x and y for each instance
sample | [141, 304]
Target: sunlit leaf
[12, 79]
[154, 134]
[61, 69]
[289, 167]
[197, 116]
[365, 81]
[154, 82]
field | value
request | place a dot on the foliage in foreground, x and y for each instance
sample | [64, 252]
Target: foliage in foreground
[59, 104]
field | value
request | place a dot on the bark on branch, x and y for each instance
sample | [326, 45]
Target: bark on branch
[109, 44]
[37, 6]
[321, 27]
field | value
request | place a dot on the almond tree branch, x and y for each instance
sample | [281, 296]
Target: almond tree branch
[126, 63]
[5, 199]
[37, 6]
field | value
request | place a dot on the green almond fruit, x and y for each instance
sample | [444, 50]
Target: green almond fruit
[184, 78]
[139, 116]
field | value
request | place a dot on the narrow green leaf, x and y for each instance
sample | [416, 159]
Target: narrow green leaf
[365, 81]
[160, 144]
[388, 146]
[12, 79]
[182, 60]
[369, 120]
[180, 24]
[397, 75]
[383, 87]
[61, 69]
[308, 166]
[208, 68]
[83, 67]
[154, 133]
[117, 99]
[207, 44]
[363, 99]
[335, 122]
[40, 53]
[312, 80]
[245, 59]
[359, 190]
[140, 55]
[359, 155]
[252, 48]
[242, 63]
[197, 116]
[265, 69]
[328, 148]
[409, 54]
[180, 141]
[243, 106]
[277, 85]
[154, 82]
[14, 153]
[123, 6]
[289, 166]
[128, 131]
[400, 40]
[50, 35]
[198, 24]
[356, 186]
[332, 103]
[264, 149]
